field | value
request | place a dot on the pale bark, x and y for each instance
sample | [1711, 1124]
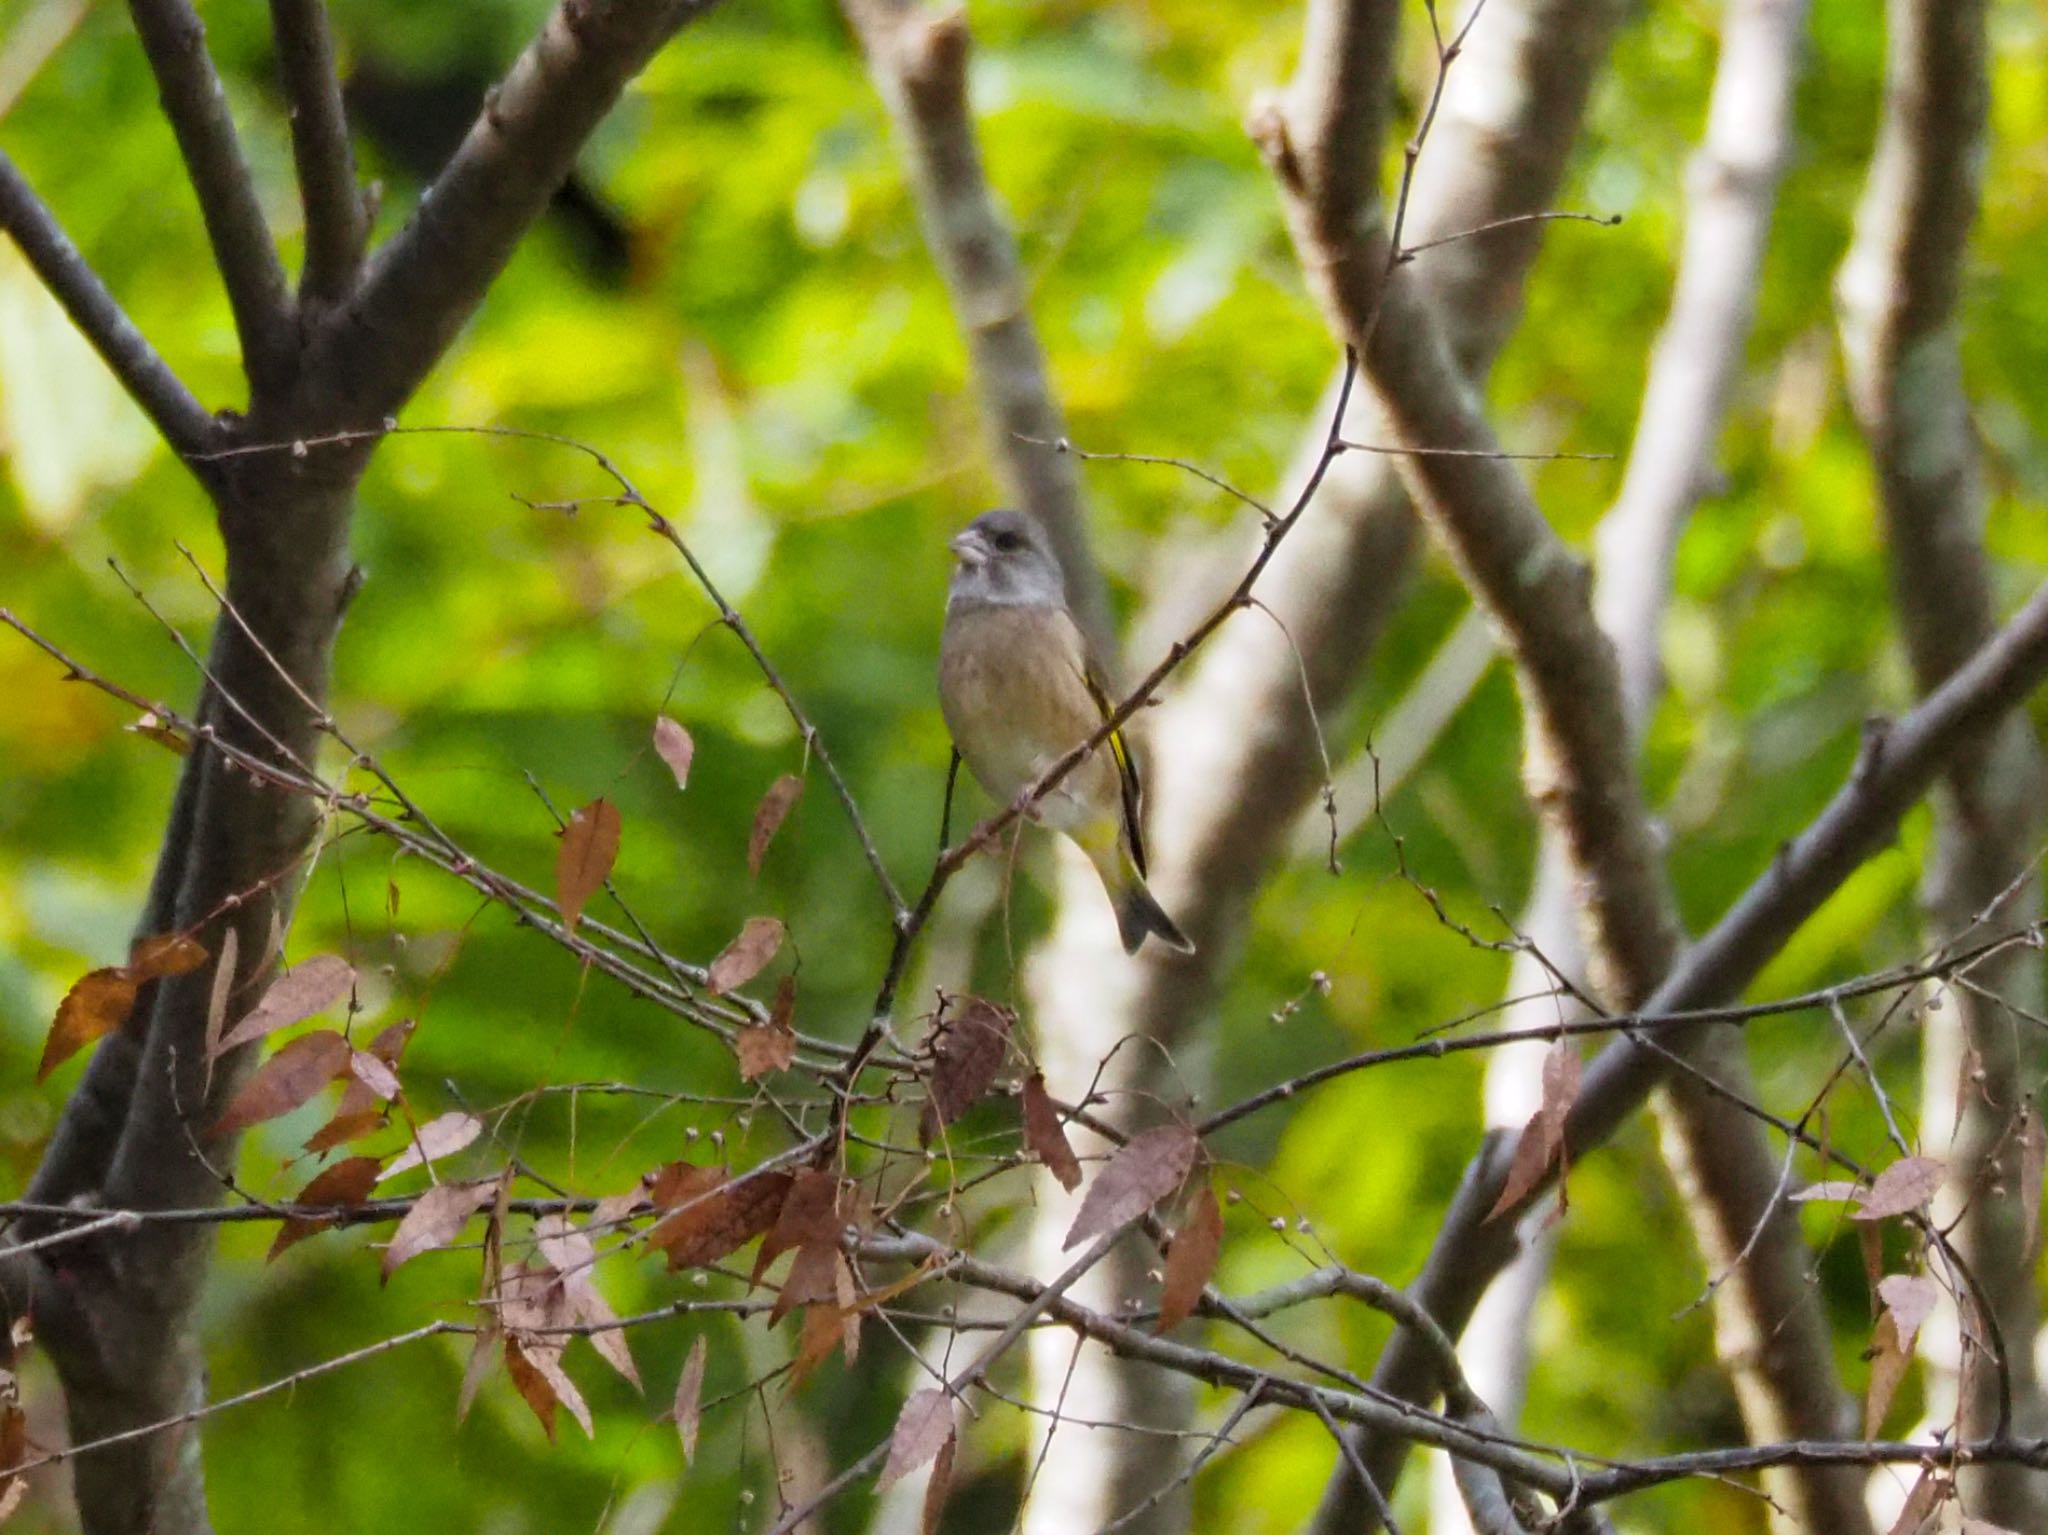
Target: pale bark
[1897, 294]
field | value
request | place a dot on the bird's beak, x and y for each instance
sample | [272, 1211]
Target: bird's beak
[970, 549]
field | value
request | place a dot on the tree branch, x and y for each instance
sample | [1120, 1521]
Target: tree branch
[174, 38]
[1897, 768]
[337, 220]
[917, 57]
[371, 352]
[185, 424]
[1896, 298]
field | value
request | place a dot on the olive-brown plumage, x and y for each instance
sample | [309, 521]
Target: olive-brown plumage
[1019, 691]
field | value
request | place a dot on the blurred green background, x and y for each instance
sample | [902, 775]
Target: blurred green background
[770, 355]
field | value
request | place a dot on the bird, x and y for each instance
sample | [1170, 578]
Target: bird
[1019, 690]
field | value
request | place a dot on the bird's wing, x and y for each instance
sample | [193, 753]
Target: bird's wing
[1126, 763]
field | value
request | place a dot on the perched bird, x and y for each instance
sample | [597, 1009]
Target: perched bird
[1019, 691]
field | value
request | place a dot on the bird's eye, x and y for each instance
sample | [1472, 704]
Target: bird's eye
[1008, 543]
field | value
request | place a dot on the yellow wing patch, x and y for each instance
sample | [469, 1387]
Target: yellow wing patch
[1126, 770]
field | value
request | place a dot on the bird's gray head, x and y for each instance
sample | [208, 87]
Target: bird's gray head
[1005, 558]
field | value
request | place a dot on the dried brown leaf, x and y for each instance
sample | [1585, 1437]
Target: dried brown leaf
[1922, 1505]
[1541, 1142]
[714, 1227]
[101, 1000]
[937, 1489]
[673, 744]
[1149, 1168]
[441, 1136]
[546, 1360]
[299, 1069]
[1191, 1260]
[922, 1428]
[436, 1219]
[763, 1048]
[825, 1327]
[747, 955]
[810, 1215]
[482, 1355]
[1911, 1299]
[379, 1078]
[346, 1184]
[1888, 1361]
[818, 1274]
[1901, 1188]
[1045, 1136]
[151, 726]
[165, 954]
[531, 1384]
[223, 984]
[689, 1398]
[311, 986]
[1830, 1189]
[590, 846]
[346, 1126]
[769, 815]
[967, 1051]
[97, 1004]
[607, 1336]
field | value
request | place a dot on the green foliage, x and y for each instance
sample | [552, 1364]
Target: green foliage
[782, 377]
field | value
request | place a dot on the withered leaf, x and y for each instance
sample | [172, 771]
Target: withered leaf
[360, 1106]
[688, 1190]
[546, 1360]
[165, 954]
[715, 1227]
[1888, 1361]
[967, 1051]
[590, 846]
[1827, 1190]
[531, 1384]
[379, 1078]
[768, 818]
[311, 986]
[924, 1425]
[441, 1136]
[675, 747]
[346, 1184]
[435, 1220]
[810, 1215]
[747, 955]
[152, 726]
[615, 1210]
[938, 1488]
[289, 1078]
[689, 1398]
[1046, 1137]
[482, 1354]
[607, 1336]
[346, 1126]
[97, 1004]
[1151, 1166]
[1541, 1142]
[1922, 1504]
[762, 1048]
[1911, 1299]
[818, 1274]
[223, 984]
[1903, 1187]
[826, 1326]
[391, 1041]
[1191, 1260]
[101, 1000]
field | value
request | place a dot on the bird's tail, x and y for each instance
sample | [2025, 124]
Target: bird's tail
[1137, 913]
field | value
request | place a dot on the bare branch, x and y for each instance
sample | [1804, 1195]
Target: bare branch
[425, 282]
[918, 58]
[175, 40]
[186, 424]
[337, 220]
[1899, 766]
[1896, 299]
